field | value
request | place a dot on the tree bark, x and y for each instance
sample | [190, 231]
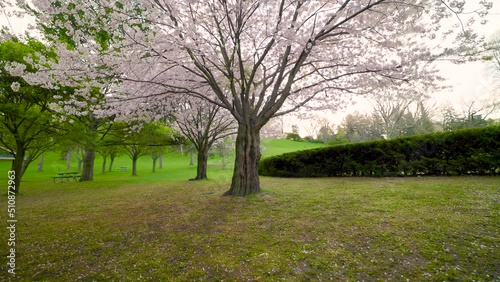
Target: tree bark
[88, 165]
[161, 159]
[191, 158]
[79, 160]
[134, 166]
[68, 159]
[201, 166]
[40, 163]
[17, 167]
[245, 176]
[154, 164]
[111, 161]
[104, 159]
[26, 163]
[223, 160]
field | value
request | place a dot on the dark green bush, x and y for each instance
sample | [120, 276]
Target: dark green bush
[471, 151]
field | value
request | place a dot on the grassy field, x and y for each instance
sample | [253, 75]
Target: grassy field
[157, 227]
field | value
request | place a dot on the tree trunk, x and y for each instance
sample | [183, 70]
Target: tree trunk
[68, 159]
[245, 176]
[26, 163]
[161, 159]
[223, 160]
[111, 161]
[40, 163]
[191, 158]
[17, 167]
[134, 166]
[88, 165]
[104, 159]
[79, 160]
[201, 166]
[154, 164]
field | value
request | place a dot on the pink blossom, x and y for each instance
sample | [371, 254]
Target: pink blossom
[15, 86]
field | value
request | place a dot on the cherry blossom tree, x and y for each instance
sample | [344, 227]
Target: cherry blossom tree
[203, 123]
[260, 59]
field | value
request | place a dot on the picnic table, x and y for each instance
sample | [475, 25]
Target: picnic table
[62, 176]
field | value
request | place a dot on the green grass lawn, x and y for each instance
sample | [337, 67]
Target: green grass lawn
[160, 227]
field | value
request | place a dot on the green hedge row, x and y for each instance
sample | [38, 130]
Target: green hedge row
[470, 151]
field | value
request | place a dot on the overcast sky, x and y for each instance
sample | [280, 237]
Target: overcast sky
[470, 81]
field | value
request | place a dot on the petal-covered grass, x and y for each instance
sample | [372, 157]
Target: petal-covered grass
[347, 229]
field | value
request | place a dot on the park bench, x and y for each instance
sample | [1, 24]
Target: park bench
[123, 168]
[66, 176]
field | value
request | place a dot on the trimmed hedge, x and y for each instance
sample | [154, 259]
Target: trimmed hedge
[471, 151]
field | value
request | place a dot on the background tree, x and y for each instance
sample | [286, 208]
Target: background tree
[294, 135]
[87, 106]
[403, 115]
[138, 139]
[494, 57]
[224, 147]
[274, 129]
[474, 114]
[107, 151]
[27, 126]
[108, 148]
[362, 127]
[203, 124]
[326, 131]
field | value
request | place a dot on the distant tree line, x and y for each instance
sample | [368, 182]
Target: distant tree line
[396, 118]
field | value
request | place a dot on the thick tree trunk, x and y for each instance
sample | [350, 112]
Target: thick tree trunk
[88, 165]
[201, 166]
[245, 176]
[17, 167]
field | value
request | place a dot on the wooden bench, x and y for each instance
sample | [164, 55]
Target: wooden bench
[123, 168]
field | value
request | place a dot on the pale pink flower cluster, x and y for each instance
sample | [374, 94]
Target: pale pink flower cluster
[257, 59]
[15, 86]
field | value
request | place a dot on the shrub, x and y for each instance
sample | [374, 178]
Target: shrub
[470, 151]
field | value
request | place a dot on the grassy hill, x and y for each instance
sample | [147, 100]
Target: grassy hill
[272, 147]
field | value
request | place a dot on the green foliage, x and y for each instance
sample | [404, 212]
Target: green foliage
[471, 151]
[27, 124]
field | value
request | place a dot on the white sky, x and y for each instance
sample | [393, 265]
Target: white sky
[470, 81]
